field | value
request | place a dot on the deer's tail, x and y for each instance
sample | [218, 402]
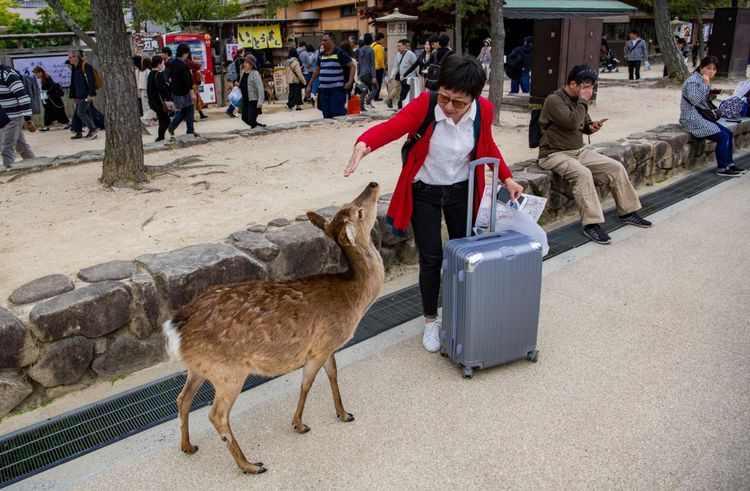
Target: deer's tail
[171, 330]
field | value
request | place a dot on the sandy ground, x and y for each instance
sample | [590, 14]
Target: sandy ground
[61, 220]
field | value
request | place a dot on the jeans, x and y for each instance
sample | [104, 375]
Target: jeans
[522, 82]
[332, 102]
[429, 203]
[12, 140]
[724, 145]
[634, 70]
[76, 125]
[83, 112]
[185, 111]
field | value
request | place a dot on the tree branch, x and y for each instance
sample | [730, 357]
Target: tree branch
[59, 10]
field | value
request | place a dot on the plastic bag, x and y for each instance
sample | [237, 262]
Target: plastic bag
[647, 65]
[235, 97]
[508, 218]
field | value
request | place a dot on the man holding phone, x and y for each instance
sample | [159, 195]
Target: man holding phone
[563, 121]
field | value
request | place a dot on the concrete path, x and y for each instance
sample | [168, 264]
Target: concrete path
[643, 382]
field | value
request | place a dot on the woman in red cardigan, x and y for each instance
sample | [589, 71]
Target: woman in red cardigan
[434, 178]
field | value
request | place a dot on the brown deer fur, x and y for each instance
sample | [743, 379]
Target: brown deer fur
[273, 327]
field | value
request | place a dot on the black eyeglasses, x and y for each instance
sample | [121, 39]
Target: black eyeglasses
[444, 99]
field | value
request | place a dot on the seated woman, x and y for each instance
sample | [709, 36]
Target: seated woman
[695, 93]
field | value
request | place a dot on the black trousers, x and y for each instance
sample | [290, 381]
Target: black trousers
[634, 70]
[404, 93]
[379, 77]
[295, 95]
[164, 121]
[250, 113]
[429, 205]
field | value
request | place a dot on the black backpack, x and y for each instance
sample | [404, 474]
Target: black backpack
[535, 131]
[514, 64]
[433, 73]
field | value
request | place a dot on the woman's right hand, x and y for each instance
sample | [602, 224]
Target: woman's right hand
[706, 78]
[360, 150]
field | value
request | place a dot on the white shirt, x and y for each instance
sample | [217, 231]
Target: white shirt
[451, 144]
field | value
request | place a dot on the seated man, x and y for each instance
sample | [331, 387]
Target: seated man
[564, 120]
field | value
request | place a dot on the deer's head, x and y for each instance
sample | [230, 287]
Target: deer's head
[351, 225]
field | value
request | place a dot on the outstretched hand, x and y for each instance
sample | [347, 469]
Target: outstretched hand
[360, 150]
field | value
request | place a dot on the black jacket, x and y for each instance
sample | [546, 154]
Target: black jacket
[157, 91]
[180, 78]
[82, 85]
[439, 55]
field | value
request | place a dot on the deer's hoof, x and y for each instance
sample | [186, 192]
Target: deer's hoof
[190, 449]
[260, 470]
[347, 419]
[304, 429]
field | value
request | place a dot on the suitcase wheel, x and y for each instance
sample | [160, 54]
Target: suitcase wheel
[468, 372]
[533, 356]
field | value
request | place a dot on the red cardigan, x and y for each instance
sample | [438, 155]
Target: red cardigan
[408, 120]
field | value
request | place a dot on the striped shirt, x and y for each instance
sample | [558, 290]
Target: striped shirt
[13, 97]
[332, 75]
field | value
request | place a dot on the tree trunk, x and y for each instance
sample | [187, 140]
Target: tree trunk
[497, 74]
[457, 30]
[669, 52]
[123, 150]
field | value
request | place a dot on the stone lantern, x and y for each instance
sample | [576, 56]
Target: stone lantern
[396, 29]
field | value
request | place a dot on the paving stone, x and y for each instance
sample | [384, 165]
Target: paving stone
[183, 274]
[41, 288]
[91, 311]
[17, 346]
[64, 362]
[127, 354]
[254, 244]
[13, 390]
[112, 270]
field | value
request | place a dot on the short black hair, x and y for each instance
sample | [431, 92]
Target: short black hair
[368, 38]
[379, 36]
[635, 31]
[404, 41]
[462, 74]
[582, 74]
[167, 51]
[156, 60]
[182, 49]
[434, 38]
[293, 53]
[302, 44]
[331, 35]
[443, 39]
[708, 60]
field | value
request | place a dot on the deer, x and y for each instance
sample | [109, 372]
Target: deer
[271, 327]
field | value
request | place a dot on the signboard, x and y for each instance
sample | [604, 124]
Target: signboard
[232, 51]
[200, 51]
[397, 28]
[260, 37]
[54, 65]
[279, 80]
[146, 44]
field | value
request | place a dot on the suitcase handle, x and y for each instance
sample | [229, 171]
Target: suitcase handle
[470, 209]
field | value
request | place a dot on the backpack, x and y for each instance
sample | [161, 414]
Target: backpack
[514, 64]
[232, 72]
[97, 76]
[535, 131]
[433, 73]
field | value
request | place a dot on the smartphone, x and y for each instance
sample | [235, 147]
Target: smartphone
[601, 120]
[503, 196]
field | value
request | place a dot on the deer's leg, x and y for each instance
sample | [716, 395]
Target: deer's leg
[331, 370]
[312, 366]
[226, 393]
[184, 400]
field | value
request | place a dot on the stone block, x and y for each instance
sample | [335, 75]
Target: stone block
[64, 362]
[389, 257]
[537, 183]
[386, 231]
[183, 274]
[257, 228]
[663, 155]
[146, 297]
[112, 270]
[304, 250]
[328, 212]
[127, 354]
[557, 201]
[642, 151]
[279, 222]
[255, 244]
[407, 252]
[13, 390]
[620, 153]
[41, 288]
[17, 346]
[86, 380]
[91, 311]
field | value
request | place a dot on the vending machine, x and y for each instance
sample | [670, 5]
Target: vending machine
[200, 50]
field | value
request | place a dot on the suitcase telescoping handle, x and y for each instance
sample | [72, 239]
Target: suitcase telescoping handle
[470, 209]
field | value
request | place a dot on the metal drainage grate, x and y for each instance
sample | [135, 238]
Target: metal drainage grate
[47, 444]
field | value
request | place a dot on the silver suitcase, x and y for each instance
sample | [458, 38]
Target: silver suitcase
[491, 292]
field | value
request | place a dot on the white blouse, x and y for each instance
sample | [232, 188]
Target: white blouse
[451, 144]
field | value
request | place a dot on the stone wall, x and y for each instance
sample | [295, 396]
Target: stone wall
[60, 335]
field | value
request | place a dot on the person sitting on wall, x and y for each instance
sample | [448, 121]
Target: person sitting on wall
[563, 121]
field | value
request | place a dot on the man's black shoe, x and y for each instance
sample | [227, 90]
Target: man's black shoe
[728, 172]
[77, 136]
[596, 234]
[634, 219]
[737, 169]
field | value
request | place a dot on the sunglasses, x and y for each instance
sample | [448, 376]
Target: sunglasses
[444, 99]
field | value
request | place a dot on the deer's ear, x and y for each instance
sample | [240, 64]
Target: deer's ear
[318, 220]
[350, 232]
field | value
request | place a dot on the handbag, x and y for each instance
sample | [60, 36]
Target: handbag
[4, 119]
[235, 97]
[168, 107]
[711, 115]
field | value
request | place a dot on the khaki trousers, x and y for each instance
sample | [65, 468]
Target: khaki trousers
[584, 169]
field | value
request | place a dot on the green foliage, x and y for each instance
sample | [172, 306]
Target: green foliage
[272, 7]
[172, 12]
[46, 21]
[79, 10]
[465, 6]
[8, 18]
[685, 9]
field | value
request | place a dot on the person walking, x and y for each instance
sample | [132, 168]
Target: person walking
[195, 73]
[379, 51]
[253, 94]
[148, 114]
[695, 98]
[183, 95]
[312, 61]
[296, 80]
[16, 104]
[82, 92]
[433, 183]
[334, 82]
[52, 94]
[519, 64]
[636, 52]
[405, 69]
[157, 93]
[366, 71]
[234, 72]
[485, 57]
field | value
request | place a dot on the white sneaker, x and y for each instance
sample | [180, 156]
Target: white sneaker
[431, 336]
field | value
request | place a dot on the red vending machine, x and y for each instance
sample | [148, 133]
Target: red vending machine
[200, 50]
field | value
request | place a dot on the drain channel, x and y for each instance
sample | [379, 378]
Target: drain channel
[42, 446]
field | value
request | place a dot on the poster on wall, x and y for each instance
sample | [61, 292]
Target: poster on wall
[54, 65]
[146, 44]
[260, 37]
[232, 51]
[200, 51]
